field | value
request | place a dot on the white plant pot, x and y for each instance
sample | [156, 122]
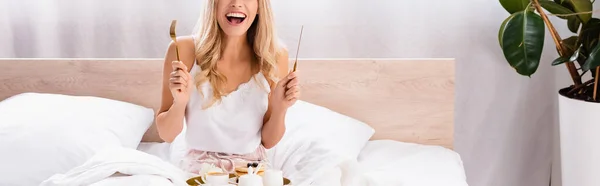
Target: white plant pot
[579, 142]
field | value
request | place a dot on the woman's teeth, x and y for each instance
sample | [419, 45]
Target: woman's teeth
[236, 15]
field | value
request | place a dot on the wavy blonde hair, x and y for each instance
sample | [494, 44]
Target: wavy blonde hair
[209, 47]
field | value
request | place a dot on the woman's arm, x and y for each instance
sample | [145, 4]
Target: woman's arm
[279, 101]
[169, 120]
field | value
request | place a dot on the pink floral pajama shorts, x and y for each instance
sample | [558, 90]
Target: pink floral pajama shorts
[227, 162]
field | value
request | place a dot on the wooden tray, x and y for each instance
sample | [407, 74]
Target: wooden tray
[232, 177]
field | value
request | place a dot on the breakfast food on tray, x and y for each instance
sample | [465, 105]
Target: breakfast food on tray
[240, 171]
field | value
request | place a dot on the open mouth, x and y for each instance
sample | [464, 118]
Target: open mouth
[235, 18]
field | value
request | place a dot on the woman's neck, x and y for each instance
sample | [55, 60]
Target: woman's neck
[236, 49]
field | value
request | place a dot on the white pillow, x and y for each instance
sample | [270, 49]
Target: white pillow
[317, 139]
[46, 134]
[345, 135]
[389, 162]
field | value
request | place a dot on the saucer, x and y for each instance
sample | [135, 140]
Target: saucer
[232, 178]
[198, 179]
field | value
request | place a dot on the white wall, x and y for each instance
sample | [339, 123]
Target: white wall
[138, 28]
[505, 123]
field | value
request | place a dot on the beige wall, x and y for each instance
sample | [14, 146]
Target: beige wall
[505, 123]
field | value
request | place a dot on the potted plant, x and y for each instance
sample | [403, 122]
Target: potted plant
[521, 37]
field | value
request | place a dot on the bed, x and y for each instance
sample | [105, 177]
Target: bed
[378, 121]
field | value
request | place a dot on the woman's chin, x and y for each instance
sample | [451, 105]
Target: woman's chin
[235, 32]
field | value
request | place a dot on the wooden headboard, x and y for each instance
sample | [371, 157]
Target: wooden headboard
[410, 100]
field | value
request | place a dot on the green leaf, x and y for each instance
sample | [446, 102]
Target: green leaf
[580, 6]
[583, 53]
[593, 60]
[590, 33]
[573, 24]
[513, 6]
[559, 61]
[571, 41]
[502, 28]
[556, 8]
[573, 21]
[573, 56]
[523, 41]
[570, 44]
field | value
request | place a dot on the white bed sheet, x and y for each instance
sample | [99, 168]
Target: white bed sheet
[393, 163]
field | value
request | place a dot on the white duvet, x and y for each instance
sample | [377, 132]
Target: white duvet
[121, 166]
[380, 163]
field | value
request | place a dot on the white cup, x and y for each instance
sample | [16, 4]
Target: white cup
[250, 180]
[273, 177]
[216, 179]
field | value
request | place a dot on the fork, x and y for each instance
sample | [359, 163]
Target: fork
[298, 49]
[174, 37]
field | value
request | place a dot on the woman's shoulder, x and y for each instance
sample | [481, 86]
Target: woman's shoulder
[187, 50]
[282, 48]
[183, 42]
[282, 59]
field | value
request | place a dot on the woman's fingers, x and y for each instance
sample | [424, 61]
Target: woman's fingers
[292, 82]
[179, 77]
[176, 65]
[178, 80]
[180, 74]
[291, 75]
[292, 88]
[292, 96]
[177, 86]
[291, 91]
[285, 81]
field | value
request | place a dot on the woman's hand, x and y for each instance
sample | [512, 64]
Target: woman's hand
[286, 92]
[180, 83]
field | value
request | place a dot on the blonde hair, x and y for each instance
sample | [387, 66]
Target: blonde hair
[209, 47]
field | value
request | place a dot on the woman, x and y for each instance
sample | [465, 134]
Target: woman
[231, 85]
